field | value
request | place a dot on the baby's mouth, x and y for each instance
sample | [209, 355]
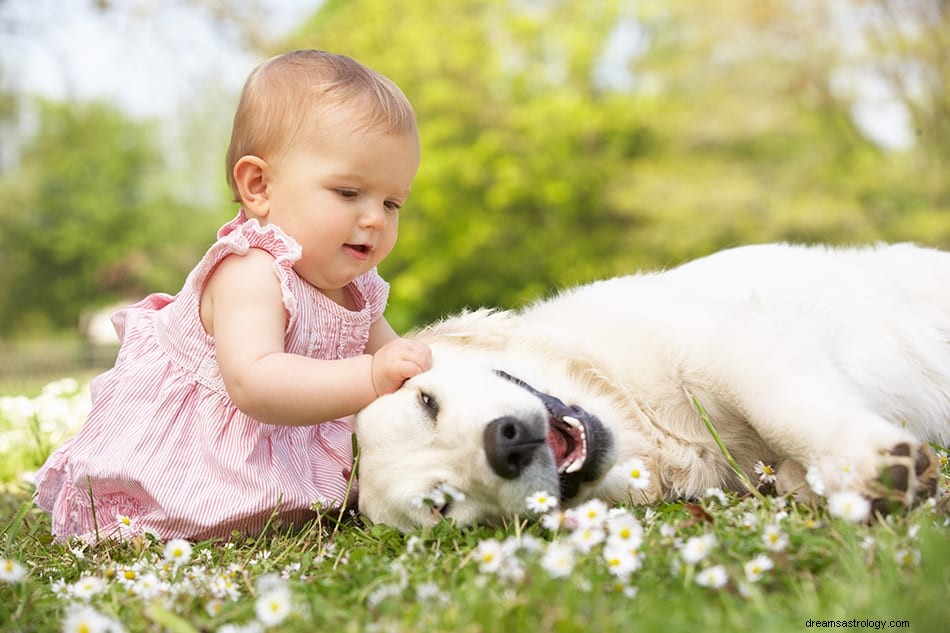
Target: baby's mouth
[359, 249]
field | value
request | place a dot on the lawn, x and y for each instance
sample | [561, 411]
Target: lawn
[723, 562]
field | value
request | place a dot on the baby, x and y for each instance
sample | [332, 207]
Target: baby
[227, 403]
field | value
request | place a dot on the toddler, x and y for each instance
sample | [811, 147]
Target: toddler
[227, 403]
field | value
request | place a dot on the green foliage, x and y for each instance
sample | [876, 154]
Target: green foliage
[87, 221]
[719, 127]
[562, 141]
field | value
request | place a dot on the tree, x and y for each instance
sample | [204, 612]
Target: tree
[85, 222]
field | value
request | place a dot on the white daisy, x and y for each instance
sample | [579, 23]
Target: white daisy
[11, 571]
[149, 586]
[749, 521]
[756, 567]
[592, 513]
[178, 551]
[638, 477]
[849, 505]
[774, 538]
[273, 606]
[85, 619]
[907, 557]
[625, 530]
[714, 577]
[766, 472]
[87, 587]
[717, 494]
[586, 538]
[620, 561]
[697, 548]
[541, 502]
[815, 481]
[558, 560]
[490, 556]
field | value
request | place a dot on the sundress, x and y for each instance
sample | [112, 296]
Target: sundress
[164, 448]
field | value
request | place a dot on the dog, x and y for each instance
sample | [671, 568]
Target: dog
[828, 366]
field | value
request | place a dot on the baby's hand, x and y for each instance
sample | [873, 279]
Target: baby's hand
[396, 362]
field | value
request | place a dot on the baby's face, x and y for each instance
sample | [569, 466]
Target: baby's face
[338, 193]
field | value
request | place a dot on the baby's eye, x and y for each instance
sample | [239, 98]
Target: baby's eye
[347, 193]
[392, 206]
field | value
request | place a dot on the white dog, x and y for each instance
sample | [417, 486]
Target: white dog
[834, 362]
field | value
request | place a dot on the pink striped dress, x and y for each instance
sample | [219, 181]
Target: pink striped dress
[164, 448]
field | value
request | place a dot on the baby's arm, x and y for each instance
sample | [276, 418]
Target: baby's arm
[243, 310]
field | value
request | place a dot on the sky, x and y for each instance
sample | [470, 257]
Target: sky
[144, 55]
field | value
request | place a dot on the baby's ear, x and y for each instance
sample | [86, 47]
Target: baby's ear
[251, 174]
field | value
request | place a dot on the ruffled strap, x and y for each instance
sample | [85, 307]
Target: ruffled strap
[375, 292]
[240, 235]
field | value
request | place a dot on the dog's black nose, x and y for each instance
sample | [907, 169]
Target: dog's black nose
[510, 446]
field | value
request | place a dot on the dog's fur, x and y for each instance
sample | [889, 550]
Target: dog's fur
[836, 360]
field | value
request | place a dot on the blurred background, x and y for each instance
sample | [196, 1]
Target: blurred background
[563, 140]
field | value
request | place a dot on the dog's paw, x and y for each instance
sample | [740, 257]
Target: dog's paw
[907, 474]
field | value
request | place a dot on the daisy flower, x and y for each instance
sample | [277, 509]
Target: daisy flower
[907, 557]
[214, 607]
[849, 505]
[490, 556]
[815, 481]
[149, 586]
[592, 513]
[766, 472]
[85, 619]
[774, 538]
[713, 577]
[541, 502]
[717, 494]
[625, 530]
[749, 521]
[87, 587]
[697, 548]
[273, 606]
[621, 562]
[756, 567]
[178, 551]
[638, 477]
[11, 571]
[552, 521]
[126, 526]
[558, 560]
[586, 538]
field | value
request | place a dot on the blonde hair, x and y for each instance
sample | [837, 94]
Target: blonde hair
[289, 92]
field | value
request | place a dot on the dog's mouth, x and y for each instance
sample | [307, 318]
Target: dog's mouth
[580, 443]
[567, 438]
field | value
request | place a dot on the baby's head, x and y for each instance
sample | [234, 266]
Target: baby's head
[287, 96]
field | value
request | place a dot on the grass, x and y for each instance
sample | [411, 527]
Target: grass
[342, 574]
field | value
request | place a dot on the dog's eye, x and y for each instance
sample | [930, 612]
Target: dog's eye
[429, 403]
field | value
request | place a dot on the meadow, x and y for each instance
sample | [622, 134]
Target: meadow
[731, 562]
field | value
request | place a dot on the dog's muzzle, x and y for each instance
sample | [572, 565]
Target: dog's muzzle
[578, 440]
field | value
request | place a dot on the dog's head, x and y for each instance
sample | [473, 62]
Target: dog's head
[471, 444]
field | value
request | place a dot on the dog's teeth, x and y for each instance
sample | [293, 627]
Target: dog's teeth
[573, 422]
[575, 465]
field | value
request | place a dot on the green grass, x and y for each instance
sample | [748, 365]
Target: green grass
[350, 576]
[347, 575]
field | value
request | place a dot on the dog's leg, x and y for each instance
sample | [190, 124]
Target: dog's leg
[817, 420]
